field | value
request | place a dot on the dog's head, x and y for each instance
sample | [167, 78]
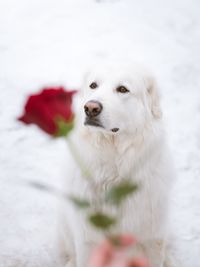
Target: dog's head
[119, 98]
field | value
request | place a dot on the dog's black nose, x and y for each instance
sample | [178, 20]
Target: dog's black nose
[93, 108]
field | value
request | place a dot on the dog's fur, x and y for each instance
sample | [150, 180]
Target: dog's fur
[137, 151]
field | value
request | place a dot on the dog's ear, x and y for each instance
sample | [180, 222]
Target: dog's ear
[154, 98]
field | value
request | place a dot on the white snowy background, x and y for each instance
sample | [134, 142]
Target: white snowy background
[45, 42]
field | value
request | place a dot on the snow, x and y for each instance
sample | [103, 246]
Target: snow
[49, 42]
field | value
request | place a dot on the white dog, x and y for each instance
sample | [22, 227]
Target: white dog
[120, 135]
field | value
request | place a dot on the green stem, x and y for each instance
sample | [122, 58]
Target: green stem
[86, 173]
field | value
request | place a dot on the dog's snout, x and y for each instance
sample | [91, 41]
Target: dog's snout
[93, 108]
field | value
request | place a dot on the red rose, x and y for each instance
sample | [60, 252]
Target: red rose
[51, 110]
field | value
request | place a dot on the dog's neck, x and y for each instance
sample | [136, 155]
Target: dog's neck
[122, 141]
[118, 147]
[107, 154]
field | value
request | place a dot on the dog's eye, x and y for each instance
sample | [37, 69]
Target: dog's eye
[122, 89]
[93, 85]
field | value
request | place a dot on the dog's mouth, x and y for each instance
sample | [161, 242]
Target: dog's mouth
[97, 123]
[92, 122]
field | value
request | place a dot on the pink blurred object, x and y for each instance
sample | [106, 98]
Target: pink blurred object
[108, 255]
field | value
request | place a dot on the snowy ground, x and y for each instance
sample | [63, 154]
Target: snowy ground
[51, 42]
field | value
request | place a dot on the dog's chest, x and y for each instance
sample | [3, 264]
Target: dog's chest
[109, 166]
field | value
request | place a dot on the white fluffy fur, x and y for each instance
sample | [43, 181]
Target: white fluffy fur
[137, 151]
